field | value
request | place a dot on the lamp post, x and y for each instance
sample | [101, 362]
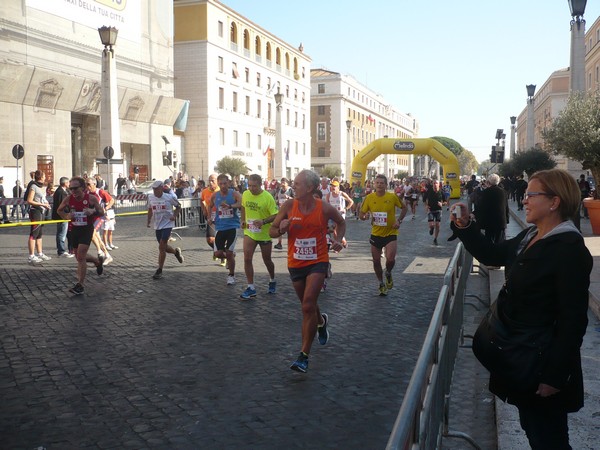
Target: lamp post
[529, 140]
[349, 150]
[513, 129]
[110, 135]
[577, 68]
[279, 157]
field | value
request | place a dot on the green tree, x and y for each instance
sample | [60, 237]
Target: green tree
[232, 166]
[467, 162]
[575, 133]
[450, 144]
[508, 169]
[331, 171]
[401, 175]
[532, 160]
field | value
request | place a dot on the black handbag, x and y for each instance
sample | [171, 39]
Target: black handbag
[512, 351]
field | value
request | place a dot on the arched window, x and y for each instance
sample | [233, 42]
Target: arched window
[296, 68]
[257, 47]
[287, 61]
[269, 57]
[278, 56]
[233, 35]
[246, 40]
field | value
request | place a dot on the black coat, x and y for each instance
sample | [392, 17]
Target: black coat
[547, 283]
[491, 209]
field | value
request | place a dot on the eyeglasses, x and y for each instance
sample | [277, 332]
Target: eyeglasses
[535, 194]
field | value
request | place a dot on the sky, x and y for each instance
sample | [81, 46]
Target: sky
[459, 67]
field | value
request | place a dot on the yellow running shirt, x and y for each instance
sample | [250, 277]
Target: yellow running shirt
[383, 213]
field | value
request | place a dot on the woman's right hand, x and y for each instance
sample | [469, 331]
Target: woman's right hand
[459, 215]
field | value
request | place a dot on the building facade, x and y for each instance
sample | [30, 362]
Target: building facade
[346, 116]
[50, 90]
[232, 71]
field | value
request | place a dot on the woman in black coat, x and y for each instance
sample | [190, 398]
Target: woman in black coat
[548, 275]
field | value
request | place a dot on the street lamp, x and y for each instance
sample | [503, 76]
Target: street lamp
[529, 140]
[513, 128]
[577, 65]
[349, 150]
[110, 135]
[278, 158]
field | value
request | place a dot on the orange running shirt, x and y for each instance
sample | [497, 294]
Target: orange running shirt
[307, 237]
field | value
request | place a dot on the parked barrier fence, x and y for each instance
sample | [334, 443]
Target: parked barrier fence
[423, 417]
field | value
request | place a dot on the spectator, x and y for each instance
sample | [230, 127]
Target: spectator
[61, 227]
[584, 187]
[18, 193]
[491, 210]
[2, 196]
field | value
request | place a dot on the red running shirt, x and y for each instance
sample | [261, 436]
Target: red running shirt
[307, 237]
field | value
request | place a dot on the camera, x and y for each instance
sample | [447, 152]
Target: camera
[456, 212]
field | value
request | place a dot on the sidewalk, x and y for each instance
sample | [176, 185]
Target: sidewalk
[584, 426]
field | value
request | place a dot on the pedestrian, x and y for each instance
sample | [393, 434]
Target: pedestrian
[120, 184]
[584, 188]
[447, 192]
[163, 210]
[434, 201]
[39, 206]
[544, 300]
[59, 195]
[80, 207]
[305, 219]
[227, 202]
[258, 212]
[491, 210]
[381, 205]
[357, 198]
[136, 174]
[2, 197]
[283, 194]
[471, 185]
[520, 186]
[18, 194]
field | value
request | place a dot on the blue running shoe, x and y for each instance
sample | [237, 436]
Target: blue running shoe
[301, 364]
[248, 293]
[272, 287]
[322, 330]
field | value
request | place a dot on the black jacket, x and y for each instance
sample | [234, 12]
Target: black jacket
[547, 283]
[491, 209]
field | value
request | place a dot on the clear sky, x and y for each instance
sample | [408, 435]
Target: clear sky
[459, 67]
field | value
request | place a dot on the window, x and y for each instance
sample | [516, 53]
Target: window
[287, 116]
[296, 148]
[222, 136]
[257, 48]
[234, 106]
[220, 28]
[296, 119]
[247, 75]
[246, 40]
[303, 97]
[296, 94]
[304, 149]
[235, 138]
[258, 108]
[221, 65]
[234, 71]
[268, 83]
[259, 142]
[258, 79]
[303, 121]
[233, 33]
[269, 113]
[321, 152]
[321, 88]
[320, 131]
[247, 140]
[321, 110]
[247, 105]
[221, 98]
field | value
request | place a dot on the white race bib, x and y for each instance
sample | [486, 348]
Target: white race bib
[79, 219]
[380, 219]
[253, 226]
[305, 249]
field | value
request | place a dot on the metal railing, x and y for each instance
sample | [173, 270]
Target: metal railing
[423, 416]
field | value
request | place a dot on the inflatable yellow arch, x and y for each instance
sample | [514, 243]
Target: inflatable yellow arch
[429, 147]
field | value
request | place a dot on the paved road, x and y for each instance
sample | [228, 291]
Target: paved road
[183, 363]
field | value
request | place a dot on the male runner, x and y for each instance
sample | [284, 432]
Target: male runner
[305, 219]
[384, 232]
[340, 201]
[433, 201]
[258, 211]
[205, 196]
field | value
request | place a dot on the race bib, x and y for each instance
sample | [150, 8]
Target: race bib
[225, 212]
[110, 213]
[413, 196]
[253, 226]
[380, 219]
[305, 249]
[79, 219]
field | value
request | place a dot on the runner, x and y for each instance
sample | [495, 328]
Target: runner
[205, 195]
[384, 233]
[305, 219]
[227, 221]
[162, 216]
[81, 207]
[107, 203]
[357, 198]
[433, 200]
[284, 193]
[340, 201]
[258, 211]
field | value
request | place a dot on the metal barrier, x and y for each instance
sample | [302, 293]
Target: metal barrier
[423, 416]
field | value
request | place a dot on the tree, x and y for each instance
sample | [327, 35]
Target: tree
[401, 175]
[575, 133]
[508, 169]
[532, 160]
[450, 144]
[232, 166]
[331, 171]
[467, 162]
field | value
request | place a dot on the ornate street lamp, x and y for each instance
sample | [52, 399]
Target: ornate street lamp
[577, 7]
[108, 36]
[577, 56]
[348, 150]
[530, 137]
[513, 128]
[278, 156]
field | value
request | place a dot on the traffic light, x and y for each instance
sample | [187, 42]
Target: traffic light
[500, 155]
[174, 158]
[493, 155]
[167, 158]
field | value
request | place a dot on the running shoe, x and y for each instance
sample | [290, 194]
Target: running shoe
[435, 242]
[223, 263]
[324, 287]
[272, 287]
[230, 280]
[389, 283]
[278, 246]
[44, 257]
[172, 239]
[77, 289]
[113, 246]
[108, 246]
[322, 331]
[329, 272]
[301, 364]
[248, 293]
[158, 274]
[413, 217]
[108, 259]
[34, 260]
[178, 255]
[431, 231]
[383, 291]
[100, 266]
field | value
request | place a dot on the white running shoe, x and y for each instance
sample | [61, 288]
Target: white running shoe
[34, 260]
[108, 259]
[230, 280]
[43, 257]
